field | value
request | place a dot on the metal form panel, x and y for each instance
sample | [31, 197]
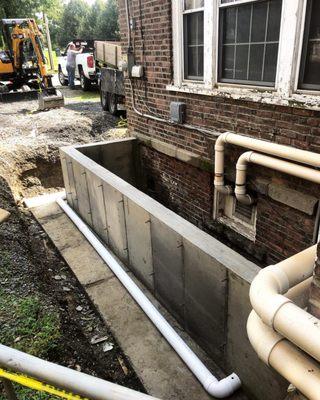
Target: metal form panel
[116, 223]
[139, 242]
[167, 252]
[73, 192]
[97, 203]
[64, 167]
[80, 177]
[205, 298]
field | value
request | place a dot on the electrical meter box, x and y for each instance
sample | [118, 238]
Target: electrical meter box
[178, 112]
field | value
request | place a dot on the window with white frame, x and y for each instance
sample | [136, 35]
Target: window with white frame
[266, 43]
[248, 41]
[193, 32]
[310, 60]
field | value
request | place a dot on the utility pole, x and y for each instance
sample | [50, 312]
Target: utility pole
[46, 22]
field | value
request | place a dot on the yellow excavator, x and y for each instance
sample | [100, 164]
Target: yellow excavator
[23, 72]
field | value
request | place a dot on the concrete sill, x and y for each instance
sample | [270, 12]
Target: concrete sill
[256, 94]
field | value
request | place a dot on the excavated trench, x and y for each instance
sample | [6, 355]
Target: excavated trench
[53, 318]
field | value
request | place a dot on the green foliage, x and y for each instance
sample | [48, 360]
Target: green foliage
[27, 325]
[79, 20]
[28, 8]
[107, 27]
[72, 18]
[24, 393]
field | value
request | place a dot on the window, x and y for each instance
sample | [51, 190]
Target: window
[239, 217]
[193, 32]
[310, 61]
[249, 41]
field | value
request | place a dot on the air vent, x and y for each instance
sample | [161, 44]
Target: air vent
[243, 211]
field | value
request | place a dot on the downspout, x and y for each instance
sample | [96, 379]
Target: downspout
[268, 162]
[218, 389]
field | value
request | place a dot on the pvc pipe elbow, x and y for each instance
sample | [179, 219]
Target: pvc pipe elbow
[224, 189]
[245, 199]
[224, 388]
[265, 293]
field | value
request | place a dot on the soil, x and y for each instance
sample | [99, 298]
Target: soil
[29, 263]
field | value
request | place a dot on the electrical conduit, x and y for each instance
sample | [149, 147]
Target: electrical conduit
[218, 389]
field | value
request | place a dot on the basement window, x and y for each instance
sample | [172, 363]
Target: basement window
[237, 216]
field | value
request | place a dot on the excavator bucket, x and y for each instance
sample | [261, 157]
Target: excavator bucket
[50, 98]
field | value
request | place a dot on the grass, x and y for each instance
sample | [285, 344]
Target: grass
[27, 325]
[24, 393]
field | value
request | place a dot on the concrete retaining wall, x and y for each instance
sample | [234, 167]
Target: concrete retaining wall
[202, 282]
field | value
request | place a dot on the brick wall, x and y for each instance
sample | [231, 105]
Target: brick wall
[281, 230]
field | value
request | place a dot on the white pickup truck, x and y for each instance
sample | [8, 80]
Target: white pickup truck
[86, 70]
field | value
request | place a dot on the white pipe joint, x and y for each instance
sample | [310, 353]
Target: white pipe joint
[263, 344]
[224, 388]
[265, 293]
[219, 167]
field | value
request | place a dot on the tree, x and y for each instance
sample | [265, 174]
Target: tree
[27, 8]
[89, 23]
[107, 27]
[73, 15]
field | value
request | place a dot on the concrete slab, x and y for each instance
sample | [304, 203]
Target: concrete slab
[157, 365]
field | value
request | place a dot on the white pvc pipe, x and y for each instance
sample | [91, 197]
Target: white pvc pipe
[295, 366]
[287, 167]
[280, 313]
[218, 389]
[66, 378]
[275, 149]
[262, 146]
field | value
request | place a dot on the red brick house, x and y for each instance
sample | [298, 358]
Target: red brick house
[250, 67]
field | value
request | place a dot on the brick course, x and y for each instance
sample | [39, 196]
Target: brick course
[281, 230]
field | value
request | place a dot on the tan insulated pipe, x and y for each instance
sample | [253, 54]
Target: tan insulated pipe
[279, 312]
[287, 167]
[277, 352]
[262, 146]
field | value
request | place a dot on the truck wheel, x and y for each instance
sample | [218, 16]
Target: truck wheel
[104, 100]
[62, 79]
[112, 103]
[85, 83]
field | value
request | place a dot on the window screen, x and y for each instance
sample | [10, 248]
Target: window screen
[249, 41]
[193, 30]
[310, 62]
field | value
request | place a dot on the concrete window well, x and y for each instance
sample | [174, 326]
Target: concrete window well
[200, 281]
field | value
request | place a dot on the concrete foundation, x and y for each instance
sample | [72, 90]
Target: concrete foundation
[202, 282]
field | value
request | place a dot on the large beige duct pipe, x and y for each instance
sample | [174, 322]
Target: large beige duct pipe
[279, 312]
[287, 167]
[274, 149]
[277, 352]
